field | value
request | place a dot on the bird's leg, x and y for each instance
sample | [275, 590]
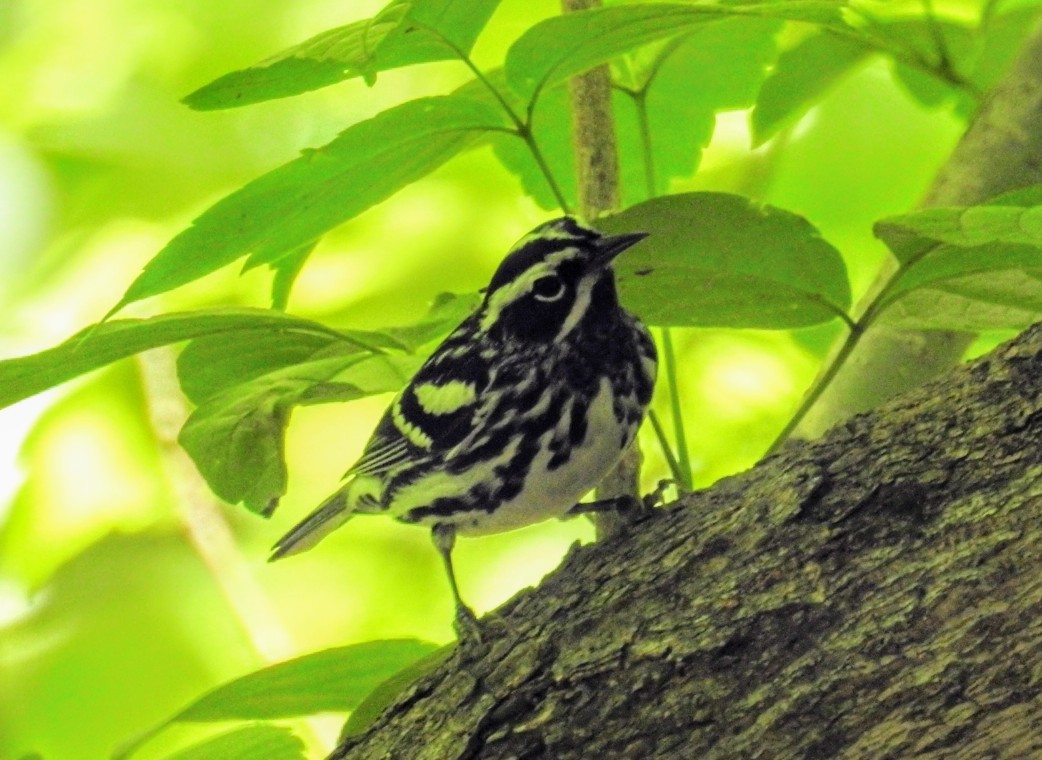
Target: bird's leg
[618, 504]
[623, 504]
[466, 624]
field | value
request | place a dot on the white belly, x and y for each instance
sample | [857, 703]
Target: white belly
[550, 493]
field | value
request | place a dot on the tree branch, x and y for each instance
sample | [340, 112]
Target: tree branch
[874, 594]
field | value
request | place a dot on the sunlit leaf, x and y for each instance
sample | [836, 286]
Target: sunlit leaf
[405, 32]
[257, 742]
[720, 260]
[447, 311]
[799, 77]
[333, 680]
[356, 49]
[717, 67]
[370, 708]
[300, 201]
[989, 301]
[972, 268]
[105, 343]
[236, 437]
[557, 48]
[213, 363]
[952, 248]
[966, 227]
[286, 271]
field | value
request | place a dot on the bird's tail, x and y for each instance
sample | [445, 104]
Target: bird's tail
[330, 515]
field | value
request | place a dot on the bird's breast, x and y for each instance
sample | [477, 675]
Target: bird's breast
[563, 469]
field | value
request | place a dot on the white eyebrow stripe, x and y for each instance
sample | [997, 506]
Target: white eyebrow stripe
[583, 294]
[515, 289]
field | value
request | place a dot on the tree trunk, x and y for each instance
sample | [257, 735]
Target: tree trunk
[875, 594]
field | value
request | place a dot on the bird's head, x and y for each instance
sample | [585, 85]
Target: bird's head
[554, 277]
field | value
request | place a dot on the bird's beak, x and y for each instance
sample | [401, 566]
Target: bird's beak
[611, 246]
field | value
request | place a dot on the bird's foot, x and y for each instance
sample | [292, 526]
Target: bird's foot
[467, 626]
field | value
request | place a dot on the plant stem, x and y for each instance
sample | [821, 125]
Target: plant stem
[205, 527]
[640, 100]
[525, 133]
[522, 127]
[856, 331]
[684, 460]
[819, 386]
[667, 451]
[944, 59]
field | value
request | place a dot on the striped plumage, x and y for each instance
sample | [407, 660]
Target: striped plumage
[519, 412]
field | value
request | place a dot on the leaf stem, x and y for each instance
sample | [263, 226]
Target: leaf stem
[944, 58]
[907, 57]
[684, 480]
[522, 126]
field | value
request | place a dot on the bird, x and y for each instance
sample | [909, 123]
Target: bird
[517, 414]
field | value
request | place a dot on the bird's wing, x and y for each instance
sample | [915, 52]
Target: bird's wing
[437, 410]
[388, 450]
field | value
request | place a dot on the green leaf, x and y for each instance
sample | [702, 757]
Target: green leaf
[962, 227]
[286, 271]
[447, 311]
[721, 260]
[333, 680]
[728, 58]
[904, 240]
[983, 254]
[972, 268]
[989, 301]
[717, 67]
[370, 708]
[916, 38]
[212, 364]
[298, 202]
[256, 742]
[105, 343]
[402, 34]
[236, 437]
[560, 47]
[552, 130]
[247, 382]
[799, 78]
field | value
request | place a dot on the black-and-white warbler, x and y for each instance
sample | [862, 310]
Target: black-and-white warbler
[518, 413]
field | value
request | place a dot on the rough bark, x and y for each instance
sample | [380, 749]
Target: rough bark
[1001, 151]
[875, 594]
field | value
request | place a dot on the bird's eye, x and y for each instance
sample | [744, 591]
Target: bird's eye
[549, 288]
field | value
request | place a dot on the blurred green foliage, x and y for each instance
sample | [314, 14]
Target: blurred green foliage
[125, 591]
